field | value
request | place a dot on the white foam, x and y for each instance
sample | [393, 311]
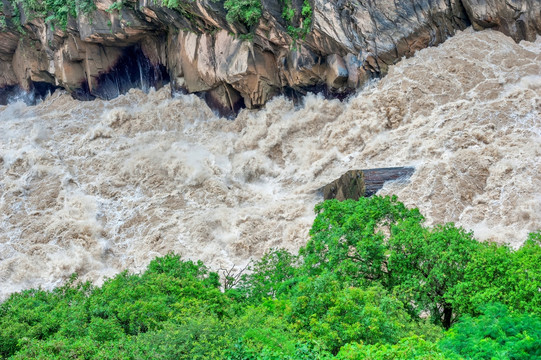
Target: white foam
[98, 187]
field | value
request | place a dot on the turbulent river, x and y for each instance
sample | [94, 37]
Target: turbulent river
[99, 187]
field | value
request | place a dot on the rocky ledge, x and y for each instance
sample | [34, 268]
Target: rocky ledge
[235, 53]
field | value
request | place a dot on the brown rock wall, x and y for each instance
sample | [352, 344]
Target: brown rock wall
[350, 42]
[520, 19]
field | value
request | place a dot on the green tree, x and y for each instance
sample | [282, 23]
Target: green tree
[424, 264]
[350, 237]
[379, 239]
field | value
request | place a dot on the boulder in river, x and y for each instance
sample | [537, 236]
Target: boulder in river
[355, 184]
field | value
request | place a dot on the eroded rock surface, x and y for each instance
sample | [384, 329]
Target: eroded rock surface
[348, 186]
[355, 184]
[348, 43]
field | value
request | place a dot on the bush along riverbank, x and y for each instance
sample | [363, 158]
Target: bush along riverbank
[371, 283]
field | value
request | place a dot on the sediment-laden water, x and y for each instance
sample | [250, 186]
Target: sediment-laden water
[99, 187]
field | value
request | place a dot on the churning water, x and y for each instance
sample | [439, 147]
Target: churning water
[98, 187]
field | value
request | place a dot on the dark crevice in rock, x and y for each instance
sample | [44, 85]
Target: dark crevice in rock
[38, 91]
[132, 70]
[460, 15]
[41, 90]
[83, 92]
[234, 99]
[297, 95]
[215, 99]
[7, 93]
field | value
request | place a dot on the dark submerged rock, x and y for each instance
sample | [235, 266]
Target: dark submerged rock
[348, 186]
[355, 184]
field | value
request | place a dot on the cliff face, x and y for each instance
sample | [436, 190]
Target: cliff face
[203, 46]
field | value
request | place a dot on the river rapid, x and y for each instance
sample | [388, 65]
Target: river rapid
[103, 186]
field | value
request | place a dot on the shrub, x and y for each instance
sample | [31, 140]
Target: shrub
[56, 12]
[414, 347]
[247, 12]
[496, 334]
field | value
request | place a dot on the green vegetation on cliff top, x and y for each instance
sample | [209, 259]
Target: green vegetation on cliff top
[55, 12]
[372, 283]
[247, 12]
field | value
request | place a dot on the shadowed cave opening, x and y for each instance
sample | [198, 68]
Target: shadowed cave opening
[135, 70]
[38, 91]
[132, 70]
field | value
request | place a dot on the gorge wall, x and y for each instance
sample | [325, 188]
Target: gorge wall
[234, 57]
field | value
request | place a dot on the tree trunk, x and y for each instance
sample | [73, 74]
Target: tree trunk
[447, 316]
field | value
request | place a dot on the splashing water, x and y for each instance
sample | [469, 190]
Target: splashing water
[98, 187]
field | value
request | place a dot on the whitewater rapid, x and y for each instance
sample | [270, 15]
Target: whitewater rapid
[99, 187]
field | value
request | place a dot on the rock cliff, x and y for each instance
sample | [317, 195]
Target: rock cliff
[235, 53]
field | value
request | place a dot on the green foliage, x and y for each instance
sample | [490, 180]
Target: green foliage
[40, 314]
[379, 239]
[304, 19]
[360, 289]
[302, 351]
[414, 347]
[500, 274]
[171, 265]
[425, 264]
[172, 4]
[288, 13]
[181, 5]
[272, 275]
[125, 305]
[188, 10]
[55, 12]
[3, 23]
[496, 334]
[116, 6]
[195, 337]
[348, 237]
[247, 12]
[323, 310]
[246, 37]
[265, 335]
